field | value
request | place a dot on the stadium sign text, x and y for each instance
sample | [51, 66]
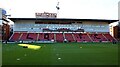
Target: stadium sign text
[45, 15]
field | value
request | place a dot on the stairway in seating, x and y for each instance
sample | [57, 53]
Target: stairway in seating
[89, 37]
[37, 36]
[109, 37]
[73, 37]
[64, 36]
[20, 35]
[15, 37]
[77, 37]
[55, 37]
[105, 37]
[69, 37]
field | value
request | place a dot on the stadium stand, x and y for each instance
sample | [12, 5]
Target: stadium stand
[32, 36]
[15, 37]
[51, 36]
[109, 37]
[41, 36]
[24, 36]
[69, 37]
[59, 37]
[77, 38]
[85, 37]
[61, 29]
[97, 37]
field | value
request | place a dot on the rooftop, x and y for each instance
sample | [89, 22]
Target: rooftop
[64, 19]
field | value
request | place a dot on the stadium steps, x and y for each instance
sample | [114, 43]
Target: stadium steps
[24, 37]
[15, 37]
[109, 37]
[77, 37]
[69, 37]
[20, 36]
[102, 37]
[11, 37]
[89, 37]
[41, 36]
[105, 37]
[73, 37]
[54, 36]
[37, 36]
[93, 38]
[85, 37]
[59, 37]
[98, 37]
[64, 36]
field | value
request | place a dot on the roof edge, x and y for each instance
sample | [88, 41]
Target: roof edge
[68, 19]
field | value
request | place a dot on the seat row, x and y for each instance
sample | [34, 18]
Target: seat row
[60, 37]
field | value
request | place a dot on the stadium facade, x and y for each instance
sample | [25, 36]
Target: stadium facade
[52, 29]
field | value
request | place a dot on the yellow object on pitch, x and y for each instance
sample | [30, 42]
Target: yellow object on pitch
[35, 47]
[80, 47]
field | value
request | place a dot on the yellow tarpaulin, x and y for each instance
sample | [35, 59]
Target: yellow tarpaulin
[35, 47]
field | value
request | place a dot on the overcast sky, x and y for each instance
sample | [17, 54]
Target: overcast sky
[85, 9]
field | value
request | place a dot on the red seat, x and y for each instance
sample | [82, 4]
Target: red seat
[97, 37]
[85, 37]
[32, 36]
[69, 37]
[24, 37]
[15, 37]
[109, 37]
[41, 36]
[77, 38]
[51, 36]
[59, 37]
[81, 37]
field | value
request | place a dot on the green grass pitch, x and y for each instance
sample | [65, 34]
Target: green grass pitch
[61, 54]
